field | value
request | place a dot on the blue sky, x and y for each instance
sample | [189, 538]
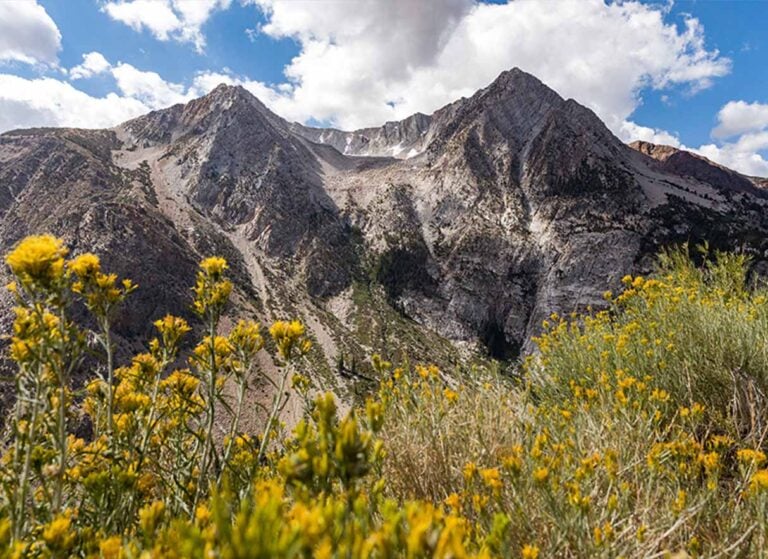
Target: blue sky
[689, 73]
[739, 30]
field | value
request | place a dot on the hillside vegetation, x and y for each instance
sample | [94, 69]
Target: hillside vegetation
[638, 431]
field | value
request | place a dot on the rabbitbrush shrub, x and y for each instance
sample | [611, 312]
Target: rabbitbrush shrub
[636, 432]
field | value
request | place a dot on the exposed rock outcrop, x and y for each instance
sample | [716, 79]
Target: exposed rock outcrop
[467, 226]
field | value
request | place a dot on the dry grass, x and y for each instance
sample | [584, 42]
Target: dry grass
[628, 439]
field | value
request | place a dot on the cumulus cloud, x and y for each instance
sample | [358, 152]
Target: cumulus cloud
[28, 34]
[180, 20]
[366, 62]
[741, 135]
[26, 103]
[631, 131]
[739, 117]
[742, 155]
[93, 63]
[206, 81]
[148, 87]
[156, 93]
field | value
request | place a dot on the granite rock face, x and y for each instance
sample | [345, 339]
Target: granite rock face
[469, 225]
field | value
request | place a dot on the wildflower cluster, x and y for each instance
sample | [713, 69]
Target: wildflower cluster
[636, 432]
[160, 440]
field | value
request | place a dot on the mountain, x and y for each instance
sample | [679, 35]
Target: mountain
[687, 164]
[443, 237]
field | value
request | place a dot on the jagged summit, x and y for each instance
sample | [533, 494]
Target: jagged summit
[469, 225]
[227, 97]
[218, 109]
[517, 80]
[411, 136]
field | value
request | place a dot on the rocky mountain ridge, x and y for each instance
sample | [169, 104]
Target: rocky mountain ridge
[438, 237]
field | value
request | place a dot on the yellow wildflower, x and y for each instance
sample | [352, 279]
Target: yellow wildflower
[38, 259]
[214, 266]
[529, 551]
[759, 481]
[750, 456]
[84, 265]
[450, 395]
[470, 469]
[540, 475]
[111, 548]
[288, 335]
[202, 514]
[491, 478]
[58, 535]
[453, 501]
[680, 501]
[150, 516]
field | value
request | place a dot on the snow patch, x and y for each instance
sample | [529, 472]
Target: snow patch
[412, 152]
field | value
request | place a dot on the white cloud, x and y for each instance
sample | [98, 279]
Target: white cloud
[738, 117]
[156, 93]
[48, 102]
[748, 122]
[206, 81]
[740, 156]
[180, 20]
[28, 34]
[630, 131]
[745, 125]
[26, 103]
[93, 63]
[366, 62]
[148, 87]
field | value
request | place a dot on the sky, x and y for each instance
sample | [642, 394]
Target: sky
[688, 73]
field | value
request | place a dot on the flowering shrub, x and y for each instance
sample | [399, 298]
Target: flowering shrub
[637, 432]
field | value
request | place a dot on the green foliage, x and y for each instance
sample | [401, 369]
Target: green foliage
[699, 332]
[638, 432]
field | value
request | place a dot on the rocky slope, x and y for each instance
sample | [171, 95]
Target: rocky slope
[439, 237]
[687, 164]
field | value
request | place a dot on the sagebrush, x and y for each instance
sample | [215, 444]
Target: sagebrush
[637, 431]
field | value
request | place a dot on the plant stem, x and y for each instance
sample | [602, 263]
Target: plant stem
[234, 426]
[62, 425]
[110, 378]
[208, 446]
[273, 414]
[18, 528]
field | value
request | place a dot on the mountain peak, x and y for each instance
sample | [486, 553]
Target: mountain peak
[519, 81]
[513, 203]
[229, 91]
[226, 96]
[221, 106]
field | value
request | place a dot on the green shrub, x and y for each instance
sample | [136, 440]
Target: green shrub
[638, 432]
